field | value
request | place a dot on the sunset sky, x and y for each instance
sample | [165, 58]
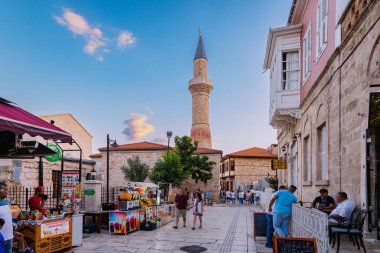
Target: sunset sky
[122, 67]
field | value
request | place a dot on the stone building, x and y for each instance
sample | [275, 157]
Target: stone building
[328, 58]
[244, 168]
[24, 172]
[149, 153]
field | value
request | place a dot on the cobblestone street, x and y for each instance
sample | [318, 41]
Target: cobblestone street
[225, 229]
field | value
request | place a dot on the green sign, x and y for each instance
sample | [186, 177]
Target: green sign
[57, 156]
[89, 192]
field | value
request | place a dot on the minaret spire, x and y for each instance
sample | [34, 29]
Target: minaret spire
[200, 88]
[200, 52]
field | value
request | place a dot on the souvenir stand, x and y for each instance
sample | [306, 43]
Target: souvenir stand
[44, 234]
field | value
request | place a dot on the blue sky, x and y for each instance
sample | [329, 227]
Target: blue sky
[126, 64]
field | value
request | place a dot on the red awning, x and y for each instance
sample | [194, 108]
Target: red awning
[19, 121]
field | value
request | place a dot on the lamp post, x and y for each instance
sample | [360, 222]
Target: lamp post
[114, 144]
[93, 173]
[169, 135]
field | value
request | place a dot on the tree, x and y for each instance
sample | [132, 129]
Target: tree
[136, 170]
[196, 166]
[168, 170]
[273, 182]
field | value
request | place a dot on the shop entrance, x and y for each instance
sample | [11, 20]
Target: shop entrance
[373, 164]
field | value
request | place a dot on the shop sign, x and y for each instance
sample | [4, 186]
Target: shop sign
[279, 164]
[55, 228]
[89, 192]
[57, 156]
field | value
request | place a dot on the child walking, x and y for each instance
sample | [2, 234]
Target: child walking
[197, 210]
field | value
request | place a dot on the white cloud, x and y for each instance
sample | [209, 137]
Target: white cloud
[137, 127]
[78, 25]
[126, 39]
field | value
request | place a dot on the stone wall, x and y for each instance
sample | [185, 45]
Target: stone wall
[68, 123]
[29, 171]
[250, 170]
[339, 99]
[213, 185]
[119, 158]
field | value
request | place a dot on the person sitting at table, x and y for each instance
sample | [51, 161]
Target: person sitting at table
[37, 201]
[342, 213]
[324, 202]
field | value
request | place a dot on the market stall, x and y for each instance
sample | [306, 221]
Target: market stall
[46, 235]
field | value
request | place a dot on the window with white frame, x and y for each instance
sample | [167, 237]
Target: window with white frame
[322, 11]
[290, 70]
[307, 54]
[322, 173]
[306, 159]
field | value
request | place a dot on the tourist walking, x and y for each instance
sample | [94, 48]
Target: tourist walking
[198, 210]
[283, 209]
[241, 197]
[247, 197]
[257, 197]
[252, 196]
[6, 214]
[228, 197]
[233, 197]
[182, 205]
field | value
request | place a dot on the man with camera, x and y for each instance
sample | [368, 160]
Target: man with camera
[37, 201]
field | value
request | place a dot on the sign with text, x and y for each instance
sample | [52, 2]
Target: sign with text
[279, 164]
[55, 228]
[291, 244]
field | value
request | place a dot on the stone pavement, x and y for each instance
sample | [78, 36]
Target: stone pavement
[225, 229]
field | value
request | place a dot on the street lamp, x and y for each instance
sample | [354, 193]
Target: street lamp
[93, 173]
[169, 135]
[114, 144]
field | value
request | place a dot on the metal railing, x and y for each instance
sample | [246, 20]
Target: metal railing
[310, 223]
[20, 195]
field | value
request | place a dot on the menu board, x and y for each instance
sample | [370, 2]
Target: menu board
[294, 245]
[260, 225]
[70, 177]
[55, 228]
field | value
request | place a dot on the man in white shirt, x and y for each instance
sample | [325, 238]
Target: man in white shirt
[233, 197]
[342, 213]
[257, 197]
[228, 196]
[6, 215]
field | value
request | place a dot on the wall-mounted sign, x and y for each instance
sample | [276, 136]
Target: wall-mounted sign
[89, 192]
[57, 150]
[279, 164]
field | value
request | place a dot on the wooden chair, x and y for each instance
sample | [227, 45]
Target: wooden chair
[354, 231]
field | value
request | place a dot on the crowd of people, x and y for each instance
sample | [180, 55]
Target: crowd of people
[279, 211]
[249, 197]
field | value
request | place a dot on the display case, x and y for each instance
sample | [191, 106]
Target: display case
[49, 235]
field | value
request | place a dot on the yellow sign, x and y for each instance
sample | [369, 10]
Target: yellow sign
[279, 164]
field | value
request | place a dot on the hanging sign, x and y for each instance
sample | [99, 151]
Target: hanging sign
[89, 192]
[57, 156]
[279, 164]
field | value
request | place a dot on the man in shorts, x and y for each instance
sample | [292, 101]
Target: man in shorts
[182, 204]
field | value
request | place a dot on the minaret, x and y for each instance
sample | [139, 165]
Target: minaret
[200, 88]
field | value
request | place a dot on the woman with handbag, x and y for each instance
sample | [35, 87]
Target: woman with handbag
[198, 210]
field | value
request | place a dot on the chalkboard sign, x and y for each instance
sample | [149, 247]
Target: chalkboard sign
[260, 225]
[294, 245]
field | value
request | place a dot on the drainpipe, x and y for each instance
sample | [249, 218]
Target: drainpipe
[340, 120]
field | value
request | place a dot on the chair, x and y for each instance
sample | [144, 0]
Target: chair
[354, 230]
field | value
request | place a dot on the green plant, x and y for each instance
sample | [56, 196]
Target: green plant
[273, 182]
[168, 170]
[136, 170]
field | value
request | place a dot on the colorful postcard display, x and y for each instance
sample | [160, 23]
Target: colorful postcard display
[124, 222]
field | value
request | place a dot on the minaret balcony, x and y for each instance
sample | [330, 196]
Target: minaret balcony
[200, 80]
